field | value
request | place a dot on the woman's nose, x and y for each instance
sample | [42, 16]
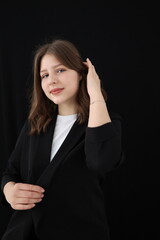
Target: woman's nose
[53, 79]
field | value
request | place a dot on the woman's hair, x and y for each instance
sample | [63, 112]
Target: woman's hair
[42, 109]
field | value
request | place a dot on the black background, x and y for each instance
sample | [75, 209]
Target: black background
[123, 44]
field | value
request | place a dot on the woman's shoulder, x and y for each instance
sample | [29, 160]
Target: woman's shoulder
[25, 127]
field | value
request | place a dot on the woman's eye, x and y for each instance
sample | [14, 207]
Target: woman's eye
[44, 76]
[60, 70]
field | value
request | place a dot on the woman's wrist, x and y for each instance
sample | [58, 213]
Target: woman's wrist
[96, 97]
[97, 101]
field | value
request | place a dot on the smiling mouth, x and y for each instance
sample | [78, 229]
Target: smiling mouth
[56, 90]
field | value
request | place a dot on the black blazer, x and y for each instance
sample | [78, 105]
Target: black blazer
[73, 206]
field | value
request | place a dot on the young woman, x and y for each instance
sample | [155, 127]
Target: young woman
[67, 145]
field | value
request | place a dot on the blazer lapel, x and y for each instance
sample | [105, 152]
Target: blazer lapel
[76, 133]
[40, 152]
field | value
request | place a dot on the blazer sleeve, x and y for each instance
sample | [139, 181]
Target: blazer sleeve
[12, 171]
[103, 145]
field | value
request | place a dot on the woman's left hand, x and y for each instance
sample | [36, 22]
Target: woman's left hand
[93, 81]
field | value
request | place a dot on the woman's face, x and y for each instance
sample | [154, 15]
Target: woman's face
[59, 83]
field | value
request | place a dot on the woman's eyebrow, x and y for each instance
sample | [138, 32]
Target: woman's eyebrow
[57, 65]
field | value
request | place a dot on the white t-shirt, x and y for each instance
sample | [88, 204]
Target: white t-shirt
[62, 128]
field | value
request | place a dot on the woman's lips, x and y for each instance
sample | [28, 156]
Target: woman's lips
[56, 90]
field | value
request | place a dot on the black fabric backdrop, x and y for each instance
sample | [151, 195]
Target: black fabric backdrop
[123, 44]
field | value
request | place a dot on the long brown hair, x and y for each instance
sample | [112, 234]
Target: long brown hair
[42, 109]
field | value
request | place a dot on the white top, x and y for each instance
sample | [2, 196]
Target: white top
[62, 128]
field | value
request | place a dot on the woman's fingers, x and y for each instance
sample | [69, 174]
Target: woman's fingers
[29, 187]
[91, 70]
[28, 190]
[27, 200]
[93, 81]
[25, 203]
[28, 194]
[22, 206]
[25, 196]
[89, 63]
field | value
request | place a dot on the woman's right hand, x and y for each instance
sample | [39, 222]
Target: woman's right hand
[22, 196]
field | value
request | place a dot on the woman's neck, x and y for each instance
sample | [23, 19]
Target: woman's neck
[65, 110]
